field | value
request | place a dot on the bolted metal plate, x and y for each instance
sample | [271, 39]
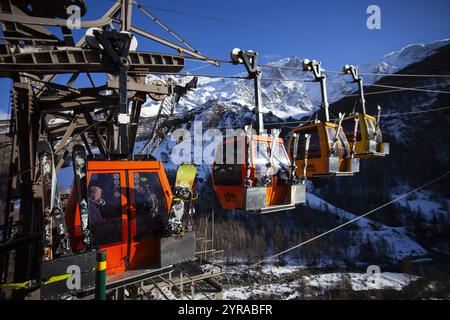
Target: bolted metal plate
[297, 194]
[372, 145]
[255, 198]
[333, 164]
[355, 165]
[177, 250]
[131, 82]
[82, 268]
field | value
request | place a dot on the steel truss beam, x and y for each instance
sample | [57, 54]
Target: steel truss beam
[83, 60]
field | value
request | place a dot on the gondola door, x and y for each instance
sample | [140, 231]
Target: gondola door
[229, 175]
[260, 160]
[148, 214]
[280, 178]
[108, 214]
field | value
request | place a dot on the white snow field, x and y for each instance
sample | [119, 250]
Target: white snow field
[311, 285]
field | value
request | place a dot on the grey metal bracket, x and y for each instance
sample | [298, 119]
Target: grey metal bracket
[250, 60]
[353, 71]
[314, 67]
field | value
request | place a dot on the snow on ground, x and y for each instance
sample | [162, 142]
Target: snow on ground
[278, 271]
[359, 281]
[423, 201]
[149, 110]
[269, 270]
[317, 284]
[286, 290]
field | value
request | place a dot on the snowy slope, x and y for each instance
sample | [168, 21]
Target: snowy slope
[317, 284]
[425, 202]
[397, 60]
[287, 282]
[398, 243]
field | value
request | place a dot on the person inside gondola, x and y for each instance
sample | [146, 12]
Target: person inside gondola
[95, 202]
[148, 199]
[105, 208]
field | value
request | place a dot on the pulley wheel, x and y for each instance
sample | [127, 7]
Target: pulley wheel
[157, 96]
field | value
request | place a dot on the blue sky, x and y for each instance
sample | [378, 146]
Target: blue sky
[333, 32]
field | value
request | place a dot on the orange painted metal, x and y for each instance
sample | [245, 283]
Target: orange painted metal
[320, 165]
[232, 197]
[129, 251]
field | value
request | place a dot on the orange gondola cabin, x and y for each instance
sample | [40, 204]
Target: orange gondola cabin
[135, 201]
[252, 173]
[329, 153]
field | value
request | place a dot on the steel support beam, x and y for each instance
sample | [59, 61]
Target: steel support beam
[97, 137]
[141, 87]
[135, 115]
[26, 263]
[30, 20]
[125, 14]
[83, 60]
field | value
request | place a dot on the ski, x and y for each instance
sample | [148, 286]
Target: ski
[79, 160]
[355, 137]
[48, 179]
[336, 135]
[377, 126]
[64, 247]
[53, 214]
[294, 179]
[305, 160]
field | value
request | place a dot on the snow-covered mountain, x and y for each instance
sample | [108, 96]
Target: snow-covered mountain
[397, 60]
[293, 98]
